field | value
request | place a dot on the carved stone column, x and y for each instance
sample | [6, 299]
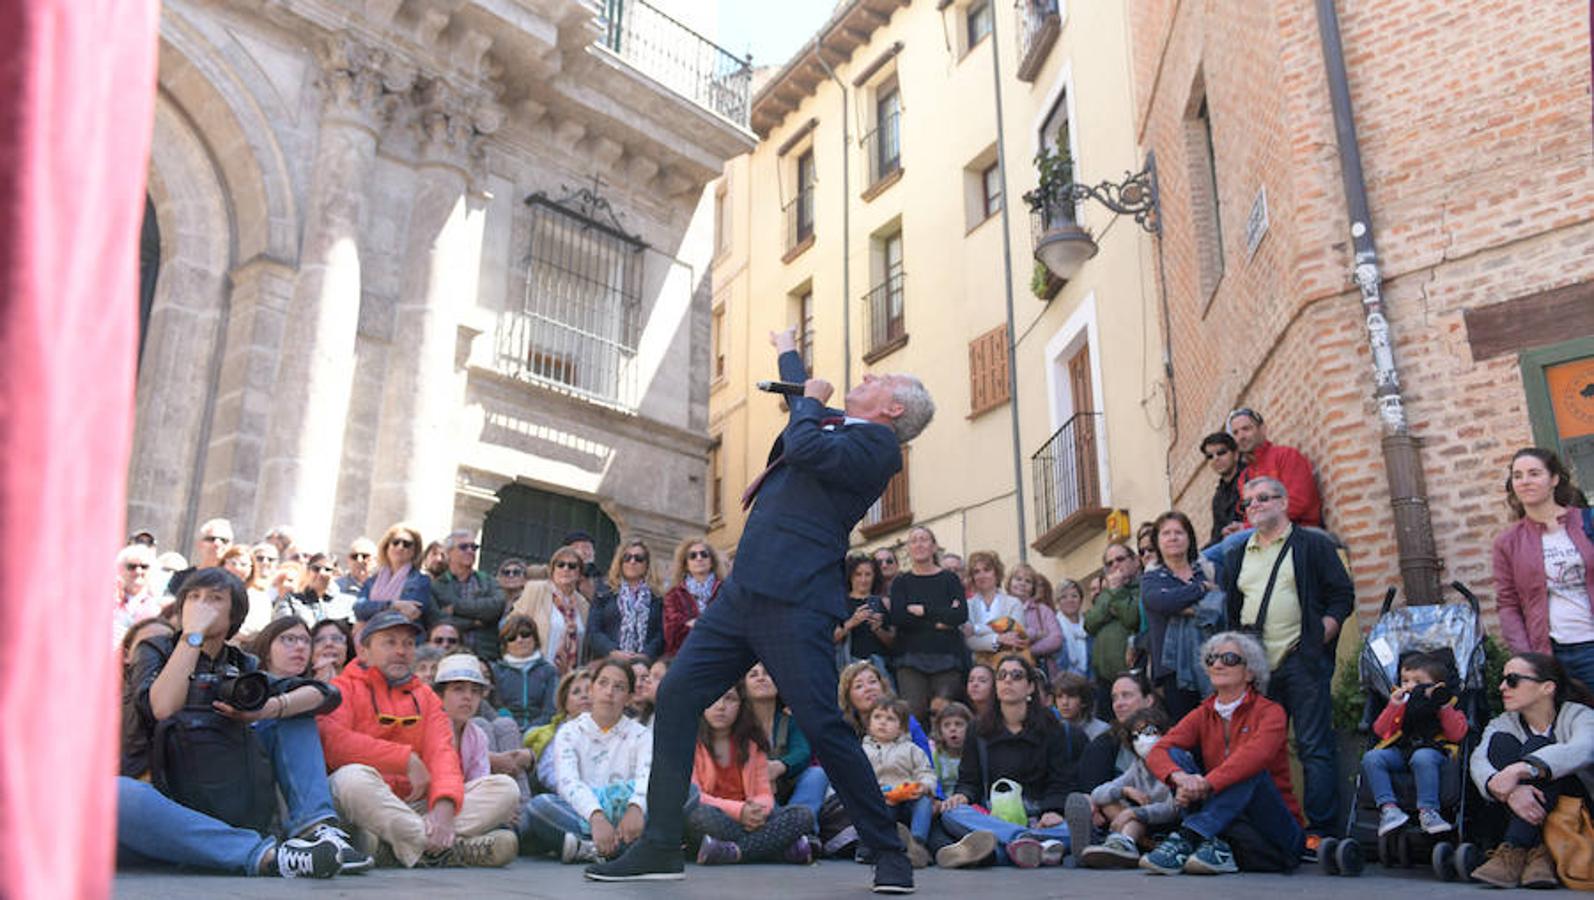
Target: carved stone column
[299, 474]
[417, 452]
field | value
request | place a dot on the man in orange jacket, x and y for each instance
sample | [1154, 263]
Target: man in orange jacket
[395, 772]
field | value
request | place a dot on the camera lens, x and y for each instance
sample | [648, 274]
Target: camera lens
[246, 692]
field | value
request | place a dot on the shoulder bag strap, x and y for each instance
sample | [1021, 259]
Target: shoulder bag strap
[1267, 593]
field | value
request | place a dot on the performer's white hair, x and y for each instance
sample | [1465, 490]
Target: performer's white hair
[917, 407]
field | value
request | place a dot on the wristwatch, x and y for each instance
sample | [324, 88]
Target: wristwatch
[194, 639]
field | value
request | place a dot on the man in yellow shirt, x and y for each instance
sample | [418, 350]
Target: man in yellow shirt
[1288, 585]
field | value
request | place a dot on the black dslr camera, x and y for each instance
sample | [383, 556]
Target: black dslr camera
[243, 691]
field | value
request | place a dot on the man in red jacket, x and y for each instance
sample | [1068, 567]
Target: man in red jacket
[1240, 791]
[395, 772]
[1289, 465]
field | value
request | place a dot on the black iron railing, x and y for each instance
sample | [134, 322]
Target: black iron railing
[883, 147]
[1038, 25]
[887, 324]
[1066, 479]
[679, 58]
[799, 213]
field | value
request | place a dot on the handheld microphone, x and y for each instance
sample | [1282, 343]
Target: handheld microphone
[784, 388]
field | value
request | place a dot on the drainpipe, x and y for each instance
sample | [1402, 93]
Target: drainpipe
[1419, 562]
[846, 230]
[1007, 284]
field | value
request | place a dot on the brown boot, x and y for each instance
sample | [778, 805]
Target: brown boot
[1539, 870]
[1504, 868]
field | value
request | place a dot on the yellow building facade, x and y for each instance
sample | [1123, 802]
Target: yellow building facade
[870, 216]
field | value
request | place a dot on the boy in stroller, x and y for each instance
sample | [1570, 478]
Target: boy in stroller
[1417, 730]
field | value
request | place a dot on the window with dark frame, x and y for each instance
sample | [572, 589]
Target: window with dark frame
[805, 195]
[991, 189]
[888, 119]
[719, 343]
[716, 481]
[978, 21]
[805, 329]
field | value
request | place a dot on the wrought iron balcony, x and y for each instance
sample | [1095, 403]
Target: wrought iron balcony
[1038, 26]
[883, 147]
[799, 214]
[679, 58]
[887, 324]
[1067, 485]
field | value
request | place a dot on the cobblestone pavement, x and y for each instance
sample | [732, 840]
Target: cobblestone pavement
[826, 881]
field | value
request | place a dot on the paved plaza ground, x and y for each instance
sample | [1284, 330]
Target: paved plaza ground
[826, 881]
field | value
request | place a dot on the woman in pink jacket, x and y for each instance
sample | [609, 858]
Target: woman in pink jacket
[1544, 565]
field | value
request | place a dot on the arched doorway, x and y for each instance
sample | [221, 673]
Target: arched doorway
[529, 523]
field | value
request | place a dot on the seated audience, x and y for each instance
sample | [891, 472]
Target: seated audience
[137, 633]
[904, 773]
[397, 582]
[1105, 757]
[1037, 619]
[1018, 740]
[951, 729]
[1230, 772]
[1074, 697]
[628, 617]
[462, 687]
[445, 637]
[527, 683]
[316, 597]
[283, 648]
[859, 686]
[600, 777]
[979, 688]
[1533, 757]
[1114, 618]
[1172, 594]
[1074, 654]
[560, 610]
[200, 777]
[134, 599]
[697, 575]
[468, 598]
[331, 648]
[927, 613]
[735, 818]
[1129, 806]
[427, 656]
[395, 772]
[797, 779]
[646, 694]
[572, 698]
[1419, 729]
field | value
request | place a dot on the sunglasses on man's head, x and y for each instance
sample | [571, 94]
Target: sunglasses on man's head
[1229, 658]
[1515, 679]
[699, 554]
[566, 564]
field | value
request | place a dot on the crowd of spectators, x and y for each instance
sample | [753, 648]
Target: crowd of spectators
[295, 713]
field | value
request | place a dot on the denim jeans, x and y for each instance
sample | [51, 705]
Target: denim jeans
[1426, 765]
[917, 815]
[1301, 685]
[151, 827]
[1256, 799]
[300, 768]
[810, 789]
[1577, 658]
[964, 819]
[545, 821]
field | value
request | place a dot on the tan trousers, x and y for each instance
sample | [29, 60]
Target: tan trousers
[365, 801]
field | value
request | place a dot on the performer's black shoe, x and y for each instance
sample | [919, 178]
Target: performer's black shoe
[644, 862]
[893, 874]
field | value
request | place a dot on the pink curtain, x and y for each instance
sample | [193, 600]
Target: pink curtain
[77, 93]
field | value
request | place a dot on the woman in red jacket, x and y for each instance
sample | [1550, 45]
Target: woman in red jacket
[697, 574]
[1239, 733]
[1544, 565]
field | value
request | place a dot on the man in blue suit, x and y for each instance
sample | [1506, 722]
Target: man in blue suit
[780, 606]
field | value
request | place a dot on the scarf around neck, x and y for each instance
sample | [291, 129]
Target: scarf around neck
[701, 591]
[635, 603]
[389, 583]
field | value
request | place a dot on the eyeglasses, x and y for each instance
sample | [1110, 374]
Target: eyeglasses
[1515, 679]
[263, 558]
[1148, 551]
[359, 557]
[1261, 498]
[1221, 451]
[699, 554]
[634, 557]
[1228, 658]
[401, 542]
[329, 637]
[131, 567]
[294, 640]
[468, 548]
[566, 564]
[1012, 675]
[512, 572]
[383, 718]
[444, 641]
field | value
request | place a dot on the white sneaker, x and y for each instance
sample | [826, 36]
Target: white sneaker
[1391, 817]
[1432, 822]
[299, 858]
[577, 850]
[350, 858]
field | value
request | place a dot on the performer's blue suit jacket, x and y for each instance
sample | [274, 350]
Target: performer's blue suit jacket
[795, 541]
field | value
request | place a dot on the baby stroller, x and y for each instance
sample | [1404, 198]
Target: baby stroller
[1454, 632]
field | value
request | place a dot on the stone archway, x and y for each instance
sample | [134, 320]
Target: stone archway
[529, 523]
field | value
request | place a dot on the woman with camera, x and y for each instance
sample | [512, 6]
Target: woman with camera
[211, 739]
[864, 635]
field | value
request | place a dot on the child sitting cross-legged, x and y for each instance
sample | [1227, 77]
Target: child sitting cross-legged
[951, 727]
[1417, 731]
[735, 818]
[904, 774]
[1132, 804]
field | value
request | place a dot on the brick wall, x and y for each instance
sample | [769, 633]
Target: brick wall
[1474, 121]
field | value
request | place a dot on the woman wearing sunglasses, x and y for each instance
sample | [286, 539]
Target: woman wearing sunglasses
[526, 680]
[1537, 751]
[559, 610]
[316, 598]
[628, 614]
[399, 583]
[697, 575]
[1240, 790]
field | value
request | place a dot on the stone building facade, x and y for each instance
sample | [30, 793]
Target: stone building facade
[1474, 123]
[412, 259]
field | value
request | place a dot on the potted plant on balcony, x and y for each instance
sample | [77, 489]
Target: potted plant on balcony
[1061, 245]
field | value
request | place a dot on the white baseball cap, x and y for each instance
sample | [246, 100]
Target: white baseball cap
[460, 667]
